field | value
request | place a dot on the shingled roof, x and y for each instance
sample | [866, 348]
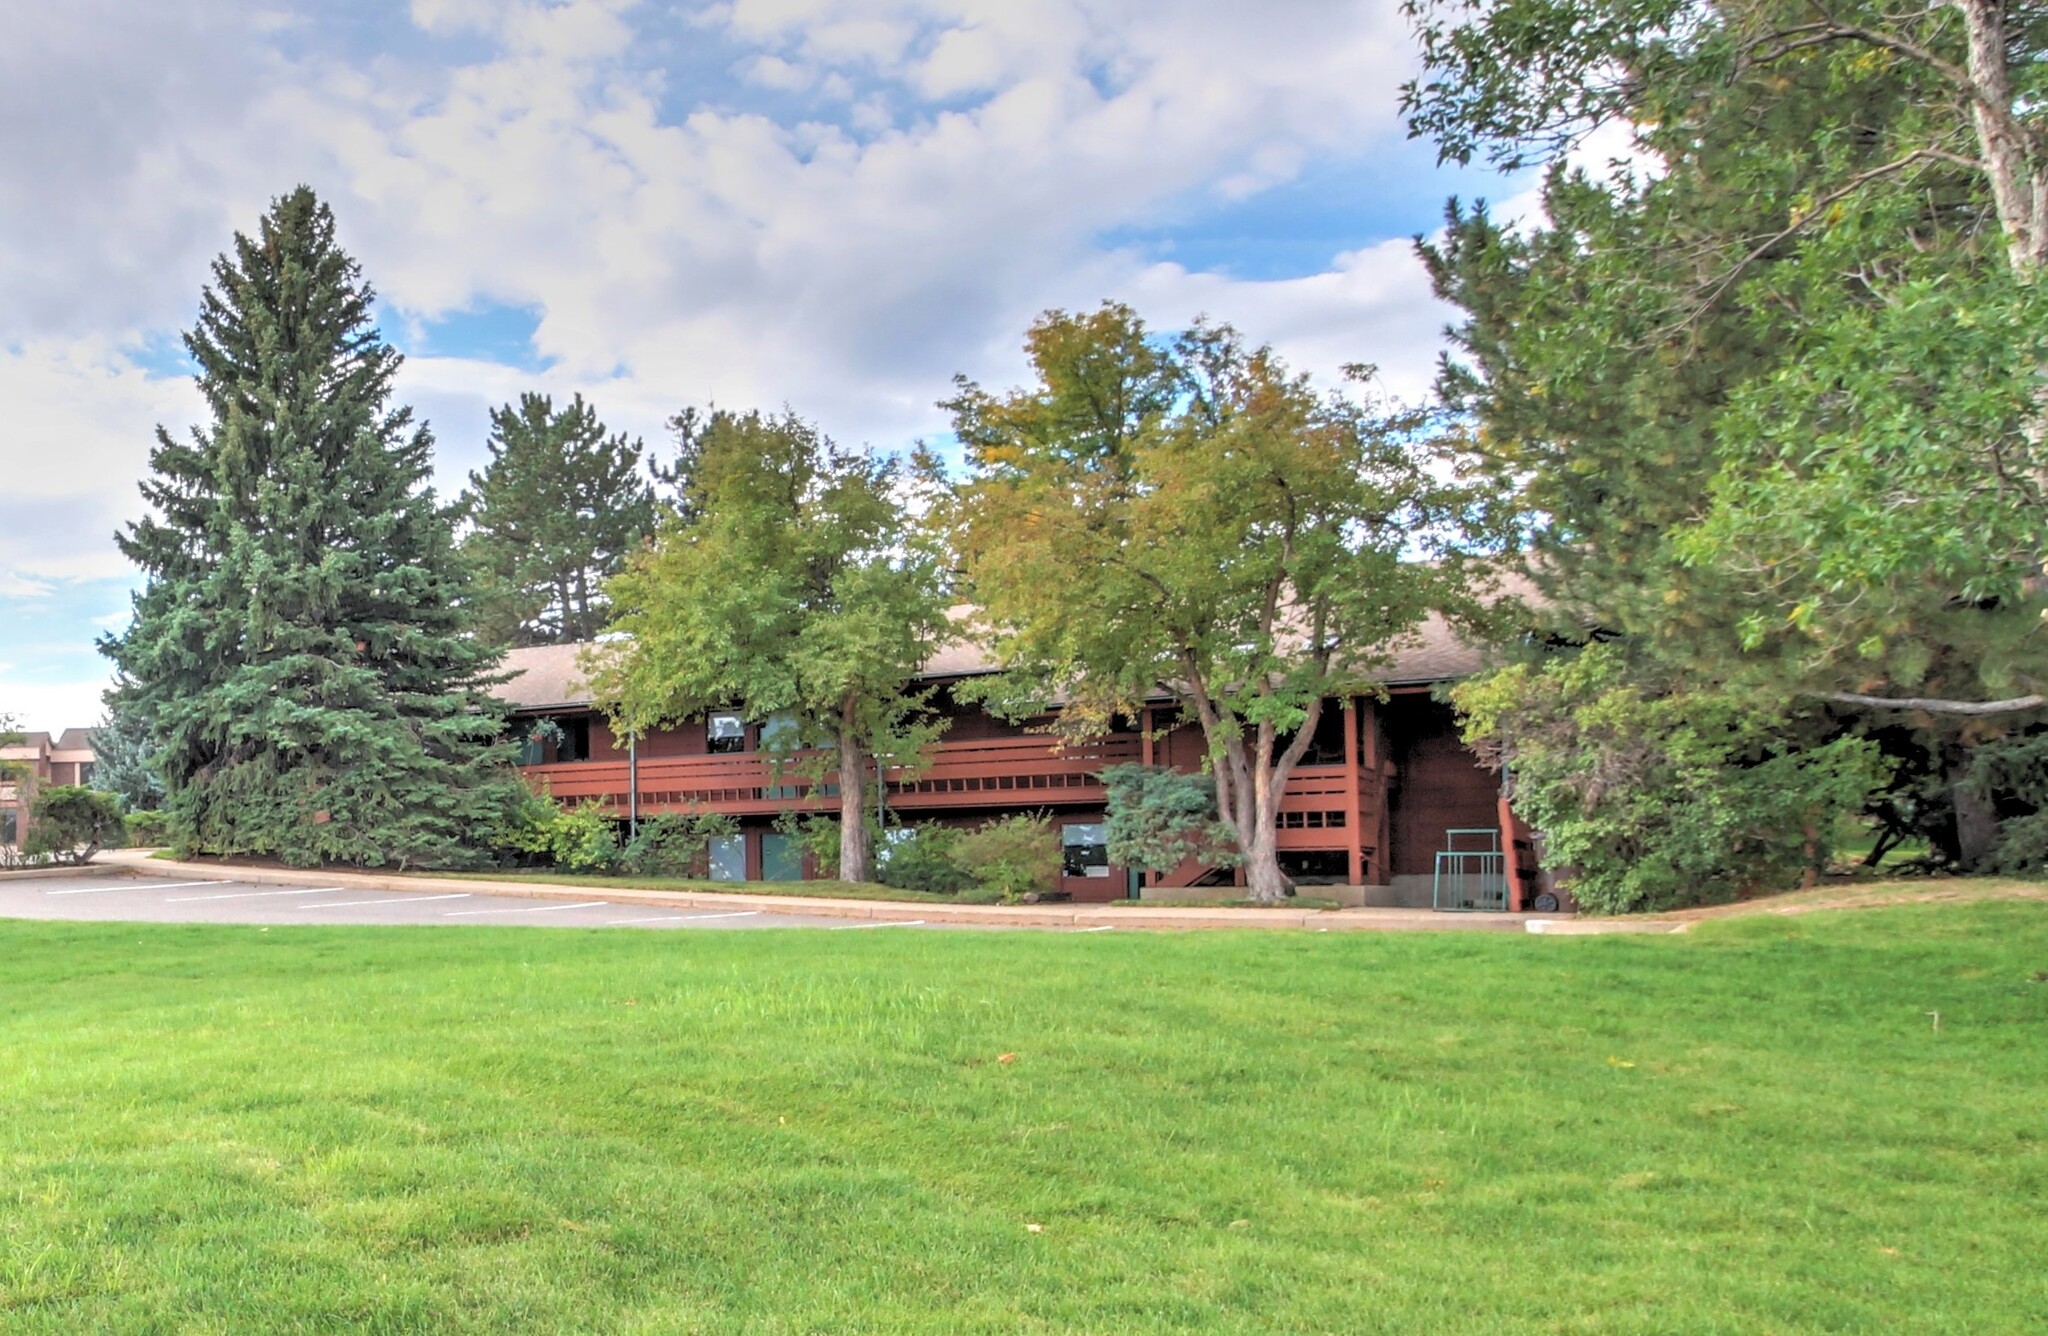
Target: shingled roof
[549, 677]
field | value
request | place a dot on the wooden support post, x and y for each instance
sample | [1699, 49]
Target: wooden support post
[1356, 809]
[1511, 861]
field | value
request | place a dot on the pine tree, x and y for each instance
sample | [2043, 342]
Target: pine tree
[553, 516]
[298, 645]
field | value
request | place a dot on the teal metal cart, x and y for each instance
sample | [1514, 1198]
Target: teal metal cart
[1471, 873]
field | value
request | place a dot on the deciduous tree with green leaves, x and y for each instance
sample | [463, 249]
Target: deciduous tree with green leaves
[801, 587]
[11, 772]
[1775, 387]
[299, 646]
[1187, 515]
[71, 823]
[554, 515]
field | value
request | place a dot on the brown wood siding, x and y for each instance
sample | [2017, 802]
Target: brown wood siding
[1399, 784]
[1438, 784]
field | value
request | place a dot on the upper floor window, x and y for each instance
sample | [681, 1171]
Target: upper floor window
[780, 732]
[552, 739]
[726, 732]
[574, 743]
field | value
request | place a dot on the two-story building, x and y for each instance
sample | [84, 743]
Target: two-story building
[39, 761]
[1385, 787]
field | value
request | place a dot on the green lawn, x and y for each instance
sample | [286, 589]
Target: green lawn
[1754, 1127]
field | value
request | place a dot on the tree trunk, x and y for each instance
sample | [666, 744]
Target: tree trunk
[1250, 782]
[1258, 829]
[1976, 822]
[853, 812]
[1262, 874]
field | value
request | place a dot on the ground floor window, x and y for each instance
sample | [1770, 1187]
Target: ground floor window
[10, 826]
[728, 858]
[1084, 849]
[782, 858]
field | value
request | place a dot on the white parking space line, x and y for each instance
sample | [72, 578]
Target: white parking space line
[903, 923]
[1107, 927]
[249, 895]
[544, 909]
[686, 918]
[148, 886]
[402, 900]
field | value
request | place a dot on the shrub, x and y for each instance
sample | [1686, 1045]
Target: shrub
[147, 829]
[584, 838]
[1012, 856]
[924, 858]
[1654, 796]
[2011, 776]
[71, 823]
[1159, 817]
[673, 844]
[818, 835]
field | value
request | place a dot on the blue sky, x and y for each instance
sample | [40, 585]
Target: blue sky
[834, 204]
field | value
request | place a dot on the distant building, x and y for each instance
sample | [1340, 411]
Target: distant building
[38, 761]
[1385, 787]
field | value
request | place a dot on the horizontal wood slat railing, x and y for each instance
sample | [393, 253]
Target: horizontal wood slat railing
[1316, 810]
[1020, 772]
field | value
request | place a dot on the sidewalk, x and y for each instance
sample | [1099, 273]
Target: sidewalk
[1159, 918]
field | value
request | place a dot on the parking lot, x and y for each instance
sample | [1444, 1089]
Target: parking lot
[130, 899]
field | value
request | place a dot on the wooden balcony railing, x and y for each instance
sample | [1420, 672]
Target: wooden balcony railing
[1324, 807]
[998, 772]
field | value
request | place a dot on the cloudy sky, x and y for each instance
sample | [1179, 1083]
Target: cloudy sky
[834, 204]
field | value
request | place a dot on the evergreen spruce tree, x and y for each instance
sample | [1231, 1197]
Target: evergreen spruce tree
[553, 516]
[298, 647]
[124, 759]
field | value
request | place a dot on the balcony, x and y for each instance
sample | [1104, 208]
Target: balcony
[1324, 807]
[1024, 772]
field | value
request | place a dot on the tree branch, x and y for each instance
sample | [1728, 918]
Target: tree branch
[1798, 225]
[1937, 705]
[1831, 29]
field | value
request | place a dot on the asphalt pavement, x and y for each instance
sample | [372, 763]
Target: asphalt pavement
[178, 899]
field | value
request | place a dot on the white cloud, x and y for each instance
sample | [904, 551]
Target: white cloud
[948, 174]
[1374, 306]
[51, 706]
[81, 421]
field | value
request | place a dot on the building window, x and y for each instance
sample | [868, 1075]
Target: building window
[782, 858]
[728, 858]
[1084, 850]
[550, 739]
[10, 826]
[574, 744]
[726, 733]
[781, 732]
[85, 769]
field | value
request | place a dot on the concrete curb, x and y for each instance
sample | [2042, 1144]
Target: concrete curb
[1161, 919]
[38, 873]
[1602, 927]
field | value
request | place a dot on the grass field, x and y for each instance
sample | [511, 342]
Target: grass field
[1753, 1127]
